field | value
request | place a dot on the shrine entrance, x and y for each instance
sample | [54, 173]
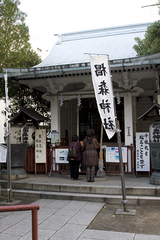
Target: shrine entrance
[89, 118]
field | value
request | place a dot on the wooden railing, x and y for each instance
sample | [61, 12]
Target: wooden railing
[110, 168]
[30, 162]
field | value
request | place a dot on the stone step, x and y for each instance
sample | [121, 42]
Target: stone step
[153, 191]
[108, 199]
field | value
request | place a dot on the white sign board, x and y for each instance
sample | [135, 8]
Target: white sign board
[40, 146]
[3, 153]
[142, 152]
[112, 154]
[61, 155]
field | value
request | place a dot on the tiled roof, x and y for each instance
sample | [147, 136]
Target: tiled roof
[30, 114]
[117, 42]
[155, 109]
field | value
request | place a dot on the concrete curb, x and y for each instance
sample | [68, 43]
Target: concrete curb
[109, 199]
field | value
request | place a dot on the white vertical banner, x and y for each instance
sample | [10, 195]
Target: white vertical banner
[142, 152]
[103, 92]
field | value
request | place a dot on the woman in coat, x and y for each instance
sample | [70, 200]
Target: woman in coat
[74, 162]
[90, 157]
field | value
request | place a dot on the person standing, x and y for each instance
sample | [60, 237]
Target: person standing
[90, 156]
[74, 162]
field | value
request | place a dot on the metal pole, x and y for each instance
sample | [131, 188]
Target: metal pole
[120, 156]
[8, 142]
[121, 165]
[9, 167]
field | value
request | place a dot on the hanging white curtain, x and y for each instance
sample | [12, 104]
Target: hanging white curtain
[103, 92]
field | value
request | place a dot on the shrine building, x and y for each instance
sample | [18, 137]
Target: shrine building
[64, 78]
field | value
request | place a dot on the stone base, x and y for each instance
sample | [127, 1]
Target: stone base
[16, 173]
[14, 177]
[155, 181]
[128, 212]
[155, 178]
[13, 202]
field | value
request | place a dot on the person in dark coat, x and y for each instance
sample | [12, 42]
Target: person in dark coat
[74, 164]
[90, 156]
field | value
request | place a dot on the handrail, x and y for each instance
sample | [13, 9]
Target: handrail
[33, 207]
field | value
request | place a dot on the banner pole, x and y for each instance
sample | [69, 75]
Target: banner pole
[120, 151]
[120, 156]
[101, 152]
[121, 166]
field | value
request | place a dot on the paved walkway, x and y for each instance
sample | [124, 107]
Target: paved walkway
[60, 220]
[67, 219]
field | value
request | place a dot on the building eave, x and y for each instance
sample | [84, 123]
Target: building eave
[33, 72]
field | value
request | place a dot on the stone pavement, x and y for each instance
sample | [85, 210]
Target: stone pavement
[60, 220]
[108, 180]
[68, 219]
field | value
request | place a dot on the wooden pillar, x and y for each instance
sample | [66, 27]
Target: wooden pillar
[128, 119]
[55, 115]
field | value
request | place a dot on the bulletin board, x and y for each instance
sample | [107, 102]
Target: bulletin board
[142, 152]
[112, 154]
[61, 155]
[40, 147]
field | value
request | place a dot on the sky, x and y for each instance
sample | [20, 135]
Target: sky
[49, 17]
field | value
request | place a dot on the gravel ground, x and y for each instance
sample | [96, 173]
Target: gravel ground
[145, 221]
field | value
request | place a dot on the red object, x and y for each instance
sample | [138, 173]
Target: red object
[33, 207]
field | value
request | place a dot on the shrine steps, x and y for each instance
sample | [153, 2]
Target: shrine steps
[84, 192]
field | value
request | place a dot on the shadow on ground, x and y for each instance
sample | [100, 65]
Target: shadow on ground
[146, 220]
